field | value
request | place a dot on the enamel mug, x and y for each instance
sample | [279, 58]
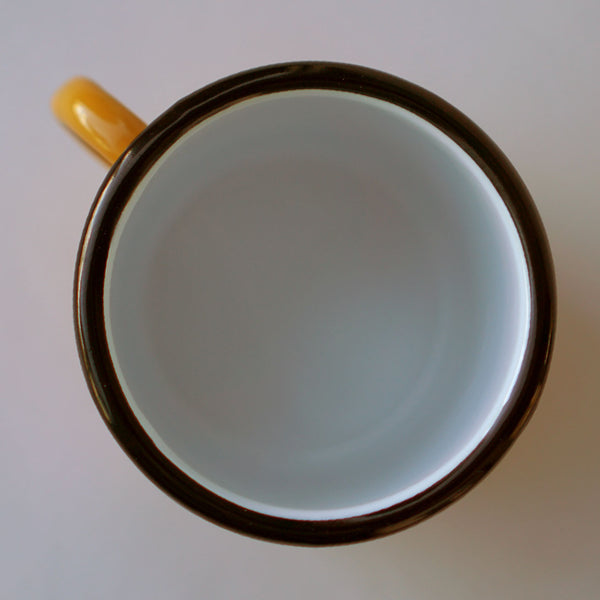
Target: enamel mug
[314, 303]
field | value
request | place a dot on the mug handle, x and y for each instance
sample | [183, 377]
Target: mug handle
[96, 117]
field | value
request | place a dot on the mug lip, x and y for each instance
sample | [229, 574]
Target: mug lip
[90, 329]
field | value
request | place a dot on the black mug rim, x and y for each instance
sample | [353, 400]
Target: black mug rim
[90, 330]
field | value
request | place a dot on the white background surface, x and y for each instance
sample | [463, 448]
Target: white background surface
[77, 519]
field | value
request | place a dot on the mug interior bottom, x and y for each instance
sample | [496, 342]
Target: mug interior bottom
[316, 304]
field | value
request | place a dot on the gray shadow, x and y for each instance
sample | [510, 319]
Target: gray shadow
[533, 523]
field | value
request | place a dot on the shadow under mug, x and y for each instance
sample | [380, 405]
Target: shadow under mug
[314, 303]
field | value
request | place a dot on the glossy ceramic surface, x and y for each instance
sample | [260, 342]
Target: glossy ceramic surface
[96, 117]
[373, 507]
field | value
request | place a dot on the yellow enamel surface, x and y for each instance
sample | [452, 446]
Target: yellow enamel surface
[97, 118]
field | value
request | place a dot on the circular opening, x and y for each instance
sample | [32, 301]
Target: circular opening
[316, 304]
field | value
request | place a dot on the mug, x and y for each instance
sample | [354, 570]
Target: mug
[314, 303]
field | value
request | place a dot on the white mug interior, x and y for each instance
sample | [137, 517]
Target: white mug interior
[316, 303]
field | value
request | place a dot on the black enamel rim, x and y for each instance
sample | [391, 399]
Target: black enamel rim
[89, 310]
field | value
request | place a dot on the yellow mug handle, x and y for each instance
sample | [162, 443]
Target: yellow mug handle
[96, 117]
